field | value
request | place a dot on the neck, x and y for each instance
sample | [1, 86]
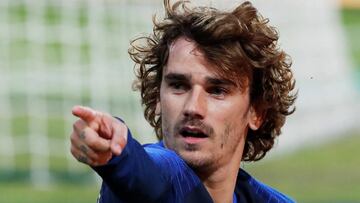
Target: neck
[220, 182]
[221, 185]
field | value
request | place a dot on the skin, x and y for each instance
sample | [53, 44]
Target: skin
[193, 98]
[96, 136]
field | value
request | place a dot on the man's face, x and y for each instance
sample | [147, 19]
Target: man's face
[205, 117]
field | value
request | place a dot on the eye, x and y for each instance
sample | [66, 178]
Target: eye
[178, 87]
[218, 91]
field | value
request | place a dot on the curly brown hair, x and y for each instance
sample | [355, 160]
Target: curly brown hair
[240, 44]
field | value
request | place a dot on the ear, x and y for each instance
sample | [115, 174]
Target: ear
[255, 118]
[158, 108]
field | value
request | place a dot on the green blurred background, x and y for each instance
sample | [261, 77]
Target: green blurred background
[50, 54]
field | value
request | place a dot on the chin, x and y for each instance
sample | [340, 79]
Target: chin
[196, 159]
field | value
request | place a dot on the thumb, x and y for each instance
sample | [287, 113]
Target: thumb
[85, 113]
[119, 139]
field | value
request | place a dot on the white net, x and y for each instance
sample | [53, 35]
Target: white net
[56, 54]
[328, 101]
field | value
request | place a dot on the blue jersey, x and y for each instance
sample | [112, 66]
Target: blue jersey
[153, 173]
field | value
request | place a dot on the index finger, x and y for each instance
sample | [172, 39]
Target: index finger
[85, 113]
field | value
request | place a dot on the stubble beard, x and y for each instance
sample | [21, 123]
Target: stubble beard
[198, 161]
[193, 155]
[211, 160]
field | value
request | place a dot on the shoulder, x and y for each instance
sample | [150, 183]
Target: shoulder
[166, 158]
[159, 153]
[186, 185]
[260, 191]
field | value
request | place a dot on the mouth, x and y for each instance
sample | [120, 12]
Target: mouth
[193, 135]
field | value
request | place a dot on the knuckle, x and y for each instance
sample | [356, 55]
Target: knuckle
[78, 125]
[94, 156]
[83, 159]
[84, 149]
[81, 135]
[73, 137]
[73, 151]
[91, 142]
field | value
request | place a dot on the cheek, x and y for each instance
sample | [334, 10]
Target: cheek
[232, 113]
[225, 116]
[230, 132]
[231, 136]
[225, 135]
[169, 111]
[231, 126]
[166, 107]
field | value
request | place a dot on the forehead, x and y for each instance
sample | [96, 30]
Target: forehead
[186, 58]
[183, 45]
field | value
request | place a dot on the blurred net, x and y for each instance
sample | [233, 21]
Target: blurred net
[56, 54]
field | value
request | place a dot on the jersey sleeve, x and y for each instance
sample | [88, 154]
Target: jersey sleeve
[132, 176]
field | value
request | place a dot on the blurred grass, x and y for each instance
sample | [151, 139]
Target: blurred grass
[318, 174]
[325, 173]
[62, 193]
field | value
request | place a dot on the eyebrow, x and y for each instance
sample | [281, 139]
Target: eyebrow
[177, 77]
[209, 80]
[220, 81]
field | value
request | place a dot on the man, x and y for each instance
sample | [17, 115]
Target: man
[217, 89]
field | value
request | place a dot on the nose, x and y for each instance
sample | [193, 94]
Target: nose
[195, 105]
